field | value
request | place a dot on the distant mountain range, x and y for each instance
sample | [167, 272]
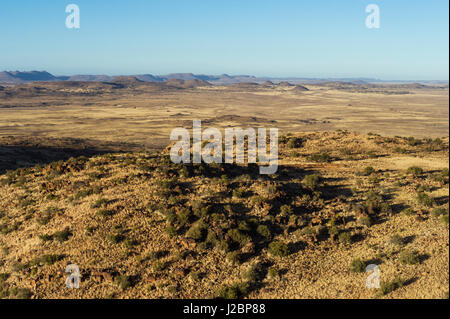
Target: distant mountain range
[17, 77]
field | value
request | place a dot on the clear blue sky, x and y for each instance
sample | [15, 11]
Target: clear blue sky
[320, 38]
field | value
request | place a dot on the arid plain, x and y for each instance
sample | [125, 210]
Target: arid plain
[363, 179]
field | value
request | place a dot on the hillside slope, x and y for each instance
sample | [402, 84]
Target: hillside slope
[139, 226]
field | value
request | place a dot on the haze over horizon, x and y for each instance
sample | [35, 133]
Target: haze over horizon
[281, 39]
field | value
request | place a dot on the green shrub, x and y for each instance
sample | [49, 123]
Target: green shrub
[438, 212]
[369, 170]
[3, 277]
[115, 238]
[234, 291]
[253, 273]
[200, 209]
[294, 142]
[123, 281]
[101, 202]
[159, 266]
[264, 232]
[389, 286]
[414, 170]
[238, 237]
[171, 231]
[273, 273]
[320, 158]
[345, 238]
[233, 257]
[365, 220]
[239, 193]
[311, 181]
[20, 293]
[425, 200]
[184, 216]
[278, 249]
[105, 212]
[197, 231]
[408, 211]
[50, 259]
[211, 238]
[358, 265]
[63, 235]
[286, 210]
[409, 258]
[397, 240]
[413, 141]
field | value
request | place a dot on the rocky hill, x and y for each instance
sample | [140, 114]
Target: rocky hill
[139, 226]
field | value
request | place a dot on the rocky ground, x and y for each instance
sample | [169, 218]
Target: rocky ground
[139, 226]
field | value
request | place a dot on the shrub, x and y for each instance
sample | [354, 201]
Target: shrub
[199, 209]
[425, 200]
[233, 257]
[211, 238]
[223, 246]
[159, 266]
[197, 231]
[294, 142]
[264, 232]
[444, 219]
[3, 277]
[385, 208]
[239, 193]
[286, 210]
[278, 249]
[397, 240]
[389, 286]
[101, 202]
[273, 273]
[63, 235]
[50, 259]
[409, 258]
[20, 293]
[253, 273]
[238, 237]
[171, 231]
[123, 281]
[45, 237]
[400, 150]
[234, 291]
[311, 181]
[345, 238]
[115, 238]
[105, 212]
[369, 170]
[358, 265]
[408, 211]
[438, 211]
[414, 170]
[46, 216]
[184, 216]
[320, 158]
[365, 220]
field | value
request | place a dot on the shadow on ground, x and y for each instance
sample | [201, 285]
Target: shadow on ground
[21, 152]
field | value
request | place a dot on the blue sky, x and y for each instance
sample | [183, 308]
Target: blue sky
[323, 38]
